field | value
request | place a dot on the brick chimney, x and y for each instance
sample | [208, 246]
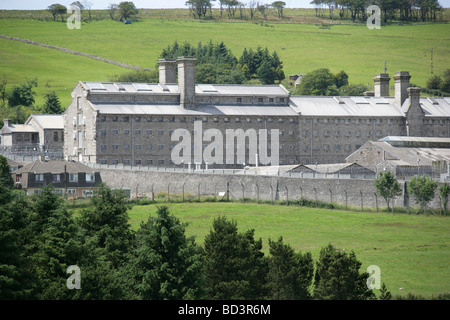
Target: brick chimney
[186, 82]
[381, 85]
[401, 79]
[167, 71]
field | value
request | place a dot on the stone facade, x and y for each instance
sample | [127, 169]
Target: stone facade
[133, 124]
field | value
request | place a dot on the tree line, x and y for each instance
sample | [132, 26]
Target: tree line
[125, 10]
[216, 64]
[202, 9]
[41, 238]
[403, 10]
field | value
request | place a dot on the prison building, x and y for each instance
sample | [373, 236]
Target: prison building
[139, 123]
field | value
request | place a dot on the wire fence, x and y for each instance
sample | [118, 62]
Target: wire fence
[402, 173]
[30, 153]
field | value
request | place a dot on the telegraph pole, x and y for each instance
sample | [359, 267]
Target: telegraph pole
[431, 60]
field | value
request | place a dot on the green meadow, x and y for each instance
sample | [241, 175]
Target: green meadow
[302, 47]
[412, 251]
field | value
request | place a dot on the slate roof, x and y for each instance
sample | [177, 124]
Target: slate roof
[54, 166]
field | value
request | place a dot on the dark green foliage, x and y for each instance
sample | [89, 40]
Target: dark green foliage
[439, 84]
[52, 104]
[16, 280]
[5, 173]
[127, 9]
[217, 65]
[107, 223]
[337, 277]
[385, 294]
[235, 267]
[321, 82]
[22, 94]
[444, 192]
[165, 264]
[290, 274]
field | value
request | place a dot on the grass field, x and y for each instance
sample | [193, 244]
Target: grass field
[302, 47]
[412, 251]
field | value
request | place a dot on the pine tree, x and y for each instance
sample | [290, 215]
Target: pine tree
[290, 274]
[337, 277]
[165, 264]
[52, 104]
[235, 266]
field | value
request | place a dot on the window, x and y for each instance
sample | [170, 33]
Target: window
[79, 118]
[73, 177]
[149, 132]
[26, 137]
[88, 193]
[138, 162]
[103, 147]
[39, 177]
[56, 177]
[149, 162]
[137, 131]
[160, 146]
[115, 146]
[90, 177]
[270, 99]
[103, 132]
[126, 146]
[115, 131]
[138, 147]
[149, 119]
[160, 132]
[149, 146]
[115, 161]
[115, 119]
[103, 118]
[260, 100]
[19, 137]
[126, 119]
[127, 162]
[239, 100]
[160, 161]
[126, 131]
[138, 119]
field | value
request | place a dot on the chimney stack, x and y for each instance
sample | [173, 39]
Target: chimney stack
[6, 122]
[414, 96]
[401, 79]
[381, 85]
[186, 82]
[167, 71]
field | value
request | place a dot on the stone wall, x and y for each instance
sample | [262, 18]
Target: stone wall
[359, 193]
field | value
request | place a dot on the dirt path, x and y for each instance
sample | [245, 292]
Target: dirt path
[91, 56]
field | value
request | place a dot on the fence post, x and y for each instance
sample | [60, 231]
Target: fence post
[301, 192]
[287, 195]
[183, 192]
[243, 195]
[376, 200]
[215, 190]
[168, 193]
[198, 192]
[315, 197]
[153, 193]
[331, 195]
[346, 198]
[271, 193]
[228, 191]
[257, 193]
[362, 201]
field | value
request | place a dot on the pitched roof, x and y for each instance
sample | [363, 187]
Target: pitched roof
[48, 121]
[55, 166]
[202, 109]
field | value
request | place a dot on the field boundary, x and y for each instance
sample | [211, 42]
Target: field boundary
[78, 53]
